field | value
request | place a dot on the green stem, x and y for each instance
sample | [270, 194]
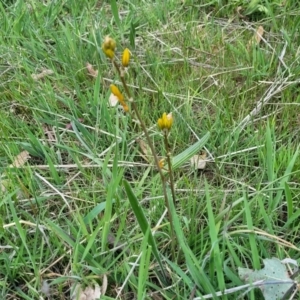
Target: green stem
[167, 147]
[144, 128]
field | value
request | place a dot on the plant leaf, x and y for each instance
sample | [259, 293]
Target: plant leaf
[181, 158]
[276, 280]
[144, 225]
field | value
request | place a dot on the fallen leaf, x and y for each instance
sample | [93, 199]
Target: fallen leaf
[146, 151]
[49, 133]
[255, 40]
[4, 183]
[89, 293]
[276, 281]
[239, 12]
[199, 161]
[41, 75]
[258, 34]
[91, 70]
[20, 160]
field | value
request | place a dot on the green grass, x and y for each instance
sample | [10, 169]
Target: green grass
[65, 215]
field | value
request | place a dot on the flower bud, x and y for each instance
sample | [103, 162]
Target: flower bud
[114, 89]
[125, 57]
[109, 46]
[165, 122]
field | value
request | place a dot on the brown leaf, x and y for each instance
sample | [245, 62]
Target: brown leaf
[199, 161]
[41, 75]
[92, 72]
[255, 40]
[89, 293]
[146, 151]
[49, 133]
[20, 160]
[258, 34]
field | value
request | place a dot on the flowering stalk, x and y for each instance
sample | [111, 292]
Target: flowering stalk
[109, 48]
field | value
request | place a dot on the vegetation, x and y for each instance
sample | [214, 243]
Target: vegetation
[82, 200]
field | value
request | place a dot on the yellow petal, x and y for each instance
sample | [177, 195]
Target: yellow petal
[114, 89]
[165, 122]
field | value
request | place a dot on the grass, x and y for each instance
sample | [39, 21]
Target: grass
[65, 215]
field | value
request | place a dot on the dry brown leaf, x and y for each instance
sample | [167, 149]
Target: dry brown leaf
[89, 293]
[20, 159]
[41, 75]
[49, 133]
[18, 162]
[258, 34]
[91, 70]
[199, 161]
[4, 183]
[146, 151]
[239, 12]
[255, 40]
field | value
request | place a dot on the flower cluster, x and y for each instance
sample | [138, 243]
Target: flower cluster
[164, 123]
[109, 47]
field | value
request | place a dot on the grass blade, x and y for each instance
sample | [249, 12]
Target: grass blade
[197, 273]
[115, 12]
[252, 240]
[144, 266]
[213, 232]
[289, 200]
[144, 225]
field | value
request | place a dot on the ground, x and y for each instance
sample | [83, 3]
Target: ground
[229, 73]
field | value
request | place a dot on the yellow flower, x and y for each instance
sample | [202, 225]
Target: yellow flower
[109, 46]
[114, 89]
[125, 57]
[165, 122]
[161, 163]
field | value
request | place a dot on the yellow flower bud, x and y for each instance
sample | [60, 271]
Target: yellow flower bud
[109, 46]
[109, 53]
[165, 122]
[114, 89]
[161, 163]
[125, 57]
